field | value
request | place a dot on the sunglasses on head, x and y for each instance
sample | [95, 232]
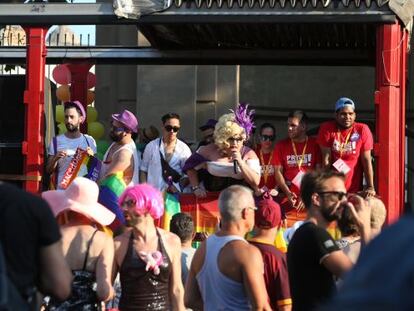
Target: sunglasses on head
[339, 194]
[117, 129]
[267, 137]
[170, 128]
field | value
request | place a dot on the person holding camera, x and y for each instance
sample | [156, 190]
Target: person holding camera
[313, 257]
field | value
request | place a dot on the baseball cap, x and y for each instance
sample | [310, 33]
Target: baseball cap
[211, 123]
[268, 214]
[344, 101]
[128, 119]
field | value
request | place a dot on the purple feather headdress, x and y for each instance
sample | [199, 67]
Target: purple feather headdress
[244, 117]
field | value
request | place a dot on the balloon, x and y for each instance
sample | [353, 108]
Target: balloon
[61, 74]
[91, 80]
[60, 113]
[62, 128]
[96, 129]
[63, 93]
[92, 114]
[91, 97]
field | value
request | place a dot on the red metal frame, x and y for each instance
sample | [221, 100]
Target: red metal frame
[32, 146]
[390, 116]
[78, 87]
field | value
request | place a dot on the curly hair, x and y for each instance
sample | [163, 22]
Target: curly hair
[226, 128]
[147, 198]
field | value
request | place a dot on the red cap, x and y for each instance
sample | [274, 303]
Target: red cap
[268, 214]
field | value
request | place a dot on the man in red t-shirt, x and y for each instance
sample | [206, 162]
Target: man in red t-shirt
[346, 146]
[266, 221]
[295, 155]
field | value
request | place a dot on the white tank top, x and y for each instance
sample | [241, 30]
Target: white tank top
[131, 147]
[217, 290]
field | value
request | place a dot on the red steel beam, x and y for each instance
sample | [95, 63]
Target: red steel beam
[390, 116]
[32, 146]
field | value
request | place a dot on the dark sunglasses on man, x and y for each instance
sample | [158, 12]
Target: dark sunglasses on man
[339, 194]
[170, 128]
[267, 137]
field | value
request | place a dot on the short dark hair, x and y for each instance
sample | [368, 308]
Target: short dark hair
[313, 181]
[299, 114]
[267, 125]
[170, 115]
[182, 225]
[347, 223]
[69, 105]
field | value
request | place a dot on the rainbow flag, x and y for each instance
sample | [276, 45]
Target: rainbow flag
[171, 207]
[81, 158]
[110, 189]
[204, 211]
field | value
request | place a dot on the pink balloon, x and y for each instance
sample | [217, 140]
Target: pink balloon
[91, 80]
[61, 74]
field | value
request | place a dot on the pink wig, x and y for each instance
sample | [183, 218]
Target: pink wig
[149, 200]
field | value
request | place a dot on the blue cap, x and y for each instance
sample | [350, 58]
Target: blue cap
[344, 101]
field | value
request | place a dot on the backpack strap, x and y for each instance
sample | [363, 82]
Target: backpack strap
[87, 141]
[87, 250]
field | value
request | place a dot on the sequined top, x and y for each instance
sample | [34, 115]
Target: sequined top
[143, 290]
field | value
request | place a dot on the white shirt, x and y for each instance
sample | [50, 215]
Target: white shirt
[151, 162]
[136, 155]
[70, 145]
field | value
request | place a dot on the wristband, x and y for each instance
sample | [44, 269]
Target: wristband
[194, 188]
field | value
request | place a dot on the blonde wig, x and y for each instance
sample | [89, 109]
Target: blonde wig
[226, 128]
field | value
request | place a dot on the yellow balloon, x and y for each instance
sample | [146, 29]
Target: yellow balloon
[92, 114]
[90, 97]
[63, 93]
[96, 129]
[60, 113]
[62, 128]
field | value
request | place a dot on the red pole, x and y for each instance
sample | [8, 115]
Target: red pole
[32, 146]
[390, 117]
[78, 87]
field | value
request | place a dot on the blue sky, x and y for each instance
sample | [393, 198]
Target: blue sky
[84, 29]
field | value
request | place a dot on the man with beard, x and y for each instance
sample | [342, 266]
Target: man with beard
[295, 155]
[346, 146]
[122, 155]
[313, 257]
[63, 147]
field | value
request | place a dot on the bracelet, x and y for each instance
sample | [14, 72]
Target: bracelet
[194, 188]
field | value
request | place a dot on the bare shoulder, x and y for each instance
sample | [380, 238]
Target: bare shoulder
[122, 238]
[249, 153]
[171, 238]
[207, 150]
[244, 251]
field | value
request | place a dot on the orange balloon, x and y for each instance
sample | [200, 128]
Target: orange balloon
[90, 97]
[91, 80]
[63, 93]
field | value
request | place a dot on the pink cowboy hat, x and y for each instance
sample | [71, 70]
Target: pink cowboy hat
[81, 197]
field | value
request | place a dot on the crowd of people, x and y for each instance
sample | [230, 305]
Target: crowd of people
[69, 249]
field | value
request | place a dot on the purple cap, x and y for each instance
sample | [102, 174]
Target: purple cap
[77, 104]
[210, 124]
[128, 119]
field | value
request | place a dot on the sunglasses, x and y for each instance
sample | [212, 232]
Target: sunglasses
[267, 137]
[235, 139]
[339, 194]
[129, 203]
[170, 128]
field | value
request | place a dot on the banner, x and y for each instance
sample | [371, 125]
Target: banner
[80, 158]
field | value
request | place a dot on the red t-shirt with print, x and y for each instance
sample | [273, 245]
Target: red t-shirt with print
[353, 141]
[289, 160]
[267, 164]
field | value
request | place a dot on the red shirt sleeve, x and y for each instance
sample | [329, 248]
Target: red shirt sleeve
[367, 139]
[324, 134]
